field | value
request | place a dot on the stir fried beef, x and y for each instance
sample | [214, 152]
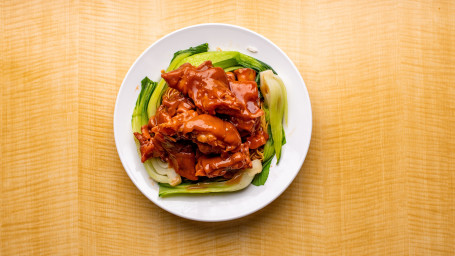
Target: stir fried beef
[207, 123]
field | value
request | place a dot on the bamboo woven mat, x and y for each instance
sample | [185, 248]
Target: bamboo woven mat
[378, 178]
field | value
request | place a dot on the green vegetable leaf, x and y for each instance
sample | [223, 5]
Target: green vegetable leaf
[253, 63]
[140, 117]
[192, 50]
[229, 69]
[261, 177]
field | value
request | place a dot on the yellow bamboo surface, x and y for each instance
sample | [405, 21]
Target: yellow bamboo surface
[379, 177]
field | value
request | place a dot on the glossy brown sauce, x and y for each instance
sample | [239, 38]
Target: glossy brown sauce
[209, 89]
[207, 123]
[213, 131]
[245, 74]
[230, 76]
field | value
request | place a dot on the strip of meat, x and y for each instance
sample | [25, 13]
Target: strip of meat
[245, 74]
[150, 146]
[176, 102]
[210, 133]
[146, 143]
[247, 93]
[180, 156]
[173, 103]
[213, 131]
[208, 87]
[174, 126]
[220, 165]
[208, 149]
[245, 127]
[256, 140]
[230, 76]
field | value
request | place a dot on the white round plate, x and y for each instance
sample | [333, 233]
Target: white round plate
[221, 206]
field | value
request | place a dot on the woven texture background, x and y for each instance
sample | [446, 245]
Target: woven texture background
[379, 178]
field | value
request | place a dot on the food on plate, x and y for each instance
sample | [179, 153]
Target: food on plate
[212, 123]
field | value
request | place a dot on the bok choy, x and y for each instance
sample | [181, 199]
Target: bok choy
[139, 119]
[226, 60]
[274, 92]
[240, 181]
[271, 88]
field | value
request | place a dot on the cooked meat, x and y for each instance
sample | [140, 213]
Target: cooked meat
[208, 87]
[245, 74]
[247, 93]
[203, 119]
[230, 76]
[173, 103]
[213, 131]
[258, 139]
[220, 165]
[181, 156]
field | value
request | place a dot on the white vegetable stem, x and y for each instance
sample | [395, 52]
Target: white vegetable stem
[274, 92]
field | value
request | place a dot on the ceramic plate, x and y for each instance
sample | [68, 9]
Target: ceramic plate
[224, 206]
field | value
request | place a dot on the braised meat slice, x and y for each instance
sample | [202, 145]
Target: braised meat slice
[214, 166]
[146, 143]
[180, 155]
[257, 139]
[230, 76]
[202, 121]
[173, 103]
[245, 74]
[174, 126]
[247, 93]
[209, 89]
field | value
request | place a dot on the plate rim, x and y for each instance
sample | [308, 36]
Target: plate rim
[306, 147]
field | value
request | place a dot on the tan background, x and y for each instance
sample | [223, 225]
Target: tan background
[378, 178]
